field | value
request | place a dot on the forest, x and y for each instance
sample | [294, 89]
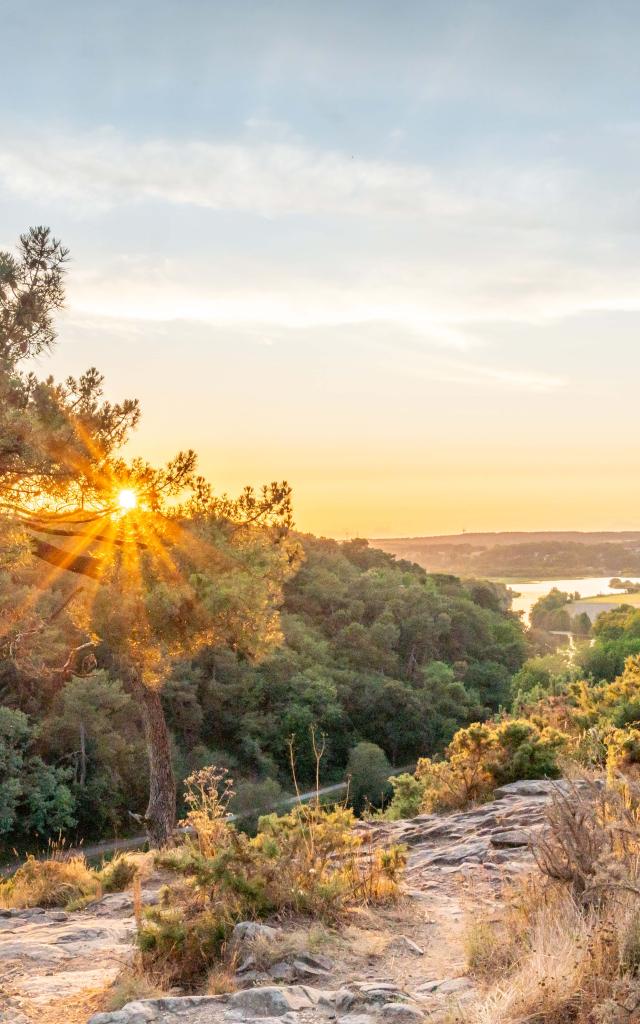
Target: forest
[373, 650]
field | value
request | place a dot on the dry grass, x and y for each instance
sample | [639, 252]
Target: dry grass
[220, 980]
[68, 881]
[567, 950]
[285, 945]
[129, 986]
[51, 883]
[548, 976]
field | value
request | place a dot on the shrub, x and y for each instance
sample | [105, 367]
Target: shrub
[484, 756]
[408, 792]
[368, 774]
[50, 883]
[308, 861]
[118, 874]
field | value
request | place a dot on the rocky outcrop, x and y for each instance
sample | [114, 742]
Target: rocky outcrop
[496, 835]
[48, 956]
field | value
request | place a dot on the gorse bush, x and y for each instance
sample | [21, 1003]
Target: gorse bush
[407, 797]
[118, 874]
[309, 861]
[478, 759]
[596, 725]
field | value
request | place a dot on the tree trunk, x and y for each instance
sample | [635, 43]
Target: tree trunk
[160, 816]
[83, 757]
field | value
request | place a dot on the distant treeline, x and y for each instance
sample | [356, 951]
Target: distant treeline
[534, 558]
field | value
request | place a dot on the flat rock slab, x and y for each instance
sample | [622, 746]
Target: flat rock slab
[44, 989]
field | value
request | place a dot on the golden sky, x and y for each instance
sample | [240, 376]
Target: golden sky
[394, 260]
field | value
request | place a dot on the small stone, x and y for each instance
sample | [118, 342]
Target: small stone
[282, 971]
[305, 972]
[406, 945]
[378, 986]
[428, 986]
[321, 963]
[356, 1018]
[455, 985]
[512, 838]
[401, 1013]
[246, 931]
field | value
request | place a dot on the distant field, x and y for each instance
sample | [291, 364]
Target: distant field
[612, 599]
[594, 606]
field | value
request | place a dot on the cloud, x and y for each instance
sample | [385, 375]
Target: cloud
[473, 375]
[267, 178]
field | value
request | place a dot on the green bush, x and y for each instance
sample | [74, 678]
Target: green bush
[479, 759]
[368, 776]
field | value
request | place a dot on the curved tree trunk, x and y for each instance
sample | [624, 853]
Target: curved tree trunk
[160, 816]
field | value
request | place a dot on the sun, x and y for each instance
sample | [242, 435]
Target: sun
[127, 499]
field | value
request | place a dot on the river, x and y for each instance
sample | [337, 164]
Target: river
[529, 592]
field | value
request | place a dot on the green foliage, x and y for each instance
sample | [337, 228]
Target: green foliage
[550, 612]
[408, 792]
[118, 873]
[368, 774]
[478, 759]
[94, 726]
[34, 796]
[539, 677]
[362, 633]
[425, 648]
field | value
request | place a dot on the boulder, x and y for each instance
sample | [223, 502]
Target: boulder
[270, 1001]
[246, 931]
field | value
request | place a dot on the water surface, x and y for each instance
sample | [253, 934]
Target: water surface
[592, 586]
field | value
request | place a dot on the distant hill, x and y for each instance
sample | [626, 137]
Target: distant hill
[544, 554]
[489, 540]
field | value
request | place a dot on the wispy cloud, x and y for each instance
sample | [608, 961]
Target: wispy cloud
[270, 179]
[477, 375]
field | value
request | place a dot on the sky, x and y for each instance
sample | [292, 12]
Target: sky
[389, 252]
